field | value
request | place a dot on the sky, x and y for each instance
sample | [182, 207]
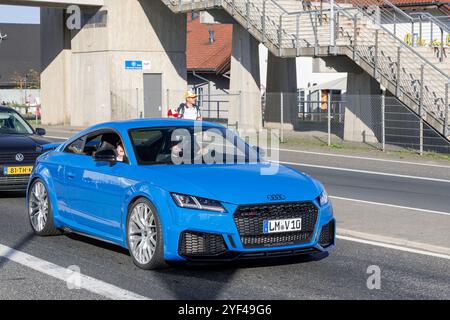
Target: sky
[18, 14]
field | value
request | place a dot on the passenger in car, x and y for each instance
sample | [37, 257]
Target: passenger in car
[120, 151]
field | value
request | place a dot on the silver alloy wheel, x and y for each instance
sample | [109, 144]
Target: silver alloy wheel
[142, 233]
[38, 206]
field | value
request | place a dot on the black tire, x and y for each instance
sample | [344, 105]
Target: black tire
[157, 260]
[49, 228]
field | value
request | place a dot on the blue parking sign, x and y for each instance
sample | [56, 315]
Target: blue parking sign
[133, 65]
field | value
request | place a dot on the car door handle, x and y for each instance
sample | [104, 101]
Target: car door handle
[71, 176]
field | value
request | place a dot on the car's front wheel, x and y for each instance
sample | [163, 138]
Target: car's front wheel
[144, 235]
[40, 210]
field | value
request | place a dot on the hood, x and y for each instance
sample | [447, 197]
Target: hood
[20, 142]
[237, 184]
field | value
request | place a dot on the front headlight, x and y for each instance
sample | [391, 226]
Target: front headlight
[197, 203]
[323, 199]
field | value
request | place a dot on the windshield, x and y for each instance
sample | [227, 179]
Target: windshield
[13, 123]
[189, 145]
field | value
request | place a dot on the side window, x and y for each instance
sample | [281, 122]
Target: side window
[76, 147]
[111, 140]
[92, 144]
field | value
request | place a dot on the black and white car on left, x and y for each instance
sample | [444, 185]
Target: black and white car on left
[20, 145]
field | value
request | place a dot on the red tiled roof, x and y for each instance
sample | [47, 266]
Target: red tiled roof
[415, 2]
[422, 3]
[200, 54]
[443, 5]
[400, 2]
[403, 3]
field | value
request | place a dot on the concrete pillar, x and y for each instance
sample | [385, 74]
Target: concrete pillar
[245, 78]
[85, 75]
[56, 73]
[281, 78]
[363, 110]
[147, 31]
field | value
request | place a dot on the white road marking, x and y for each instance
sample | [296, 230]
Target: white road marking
[363, 158]
[391, 205]
[53, 137]
[363, 171]
[88, 283]
[394, 247]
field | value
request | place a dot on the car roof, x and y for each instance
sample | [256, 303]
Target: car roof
[149, 123]
[6, 109]
[123, 126]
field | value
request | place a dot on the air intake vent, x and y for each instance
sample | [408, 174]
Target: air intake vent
[194, 244]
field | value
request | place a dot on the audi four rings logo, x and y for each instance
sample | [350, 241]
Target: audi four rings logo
[276, 197]
[19, 157]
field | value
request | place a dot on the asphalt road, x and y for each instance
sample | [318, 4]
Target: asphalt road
[429, 195]
[397, 190]
[340, 275]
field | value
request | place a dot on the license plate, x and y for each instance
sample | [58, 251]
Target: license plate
[12, 171]
[285, 225]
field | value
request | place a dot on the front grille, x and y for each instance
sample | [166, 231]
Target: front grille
[249, 220]
[10, 158]
[14, 183]
[327, 235]
[195, 244]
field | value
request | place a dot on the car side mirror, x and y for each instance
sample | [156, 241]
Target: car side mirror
[41, 131]
[106, 155]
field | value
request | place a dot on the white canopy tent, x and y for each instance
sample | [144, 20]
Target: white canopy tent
[338, 84]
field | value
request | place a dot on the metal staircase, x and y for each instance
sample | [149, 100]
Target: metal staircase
[374, 34]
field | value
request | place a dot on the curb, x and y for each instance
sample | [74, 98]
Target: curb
[394, 241]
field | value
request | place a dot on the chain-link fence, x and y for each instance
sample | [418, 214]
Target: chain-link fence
[405, 129]
[25, 101]
[217, 107]
[129, 104]
[369, 121]
[372, 121]
[235, 109]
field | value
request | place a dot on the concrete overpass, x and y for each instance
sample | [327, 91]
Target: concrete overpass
[89, 76]
[51, 3]
[85, 79]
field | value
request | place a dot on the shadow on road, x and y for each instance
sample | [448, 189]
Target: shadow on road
[248, 264]
[179, 280]
[97, 243]
[197, 280]
[210, 280]
[17, 246]
[12, 194]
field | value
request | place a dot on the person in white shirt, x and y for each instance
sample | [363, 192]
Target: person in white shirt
[189, 110]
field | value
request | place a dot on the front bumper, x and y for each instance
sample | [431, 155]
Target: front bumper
[14, 183]
[206, 236]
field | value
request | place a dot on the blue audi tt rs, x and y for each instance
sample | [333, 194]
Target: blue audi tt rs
[177, 190]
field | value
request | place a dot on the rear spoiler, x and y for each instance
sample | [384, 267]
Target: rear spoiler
[50, 146]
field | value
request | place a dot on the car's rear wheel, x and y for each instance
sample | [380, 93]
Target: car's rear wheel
[144, 235]
[40, 210]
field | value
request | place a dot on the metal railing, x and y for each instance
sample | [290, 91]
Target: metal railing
[422, 81]
[373, 32]
[403, 25]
